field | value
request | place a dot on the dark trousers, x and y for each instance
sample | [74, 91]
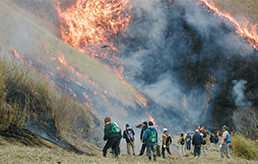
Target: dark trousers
[197, 150]
[118, 146]
[163, 151]
[113, 143]
[188, 145]
[143, 148]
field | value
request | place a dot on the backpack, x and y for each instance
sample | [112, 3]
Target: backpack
[169, 140]
[216, 138]
[130, 135]
[212, 139]
[182, 142]
[188, 139]
[153, 136]
[228, 140]
[115, 128]
[204, 132]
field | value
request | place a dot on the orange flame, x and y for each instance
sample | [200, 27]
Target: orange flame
[15, 53]
[62, 60]
[88, 23]
[152, 120]
[246, 29]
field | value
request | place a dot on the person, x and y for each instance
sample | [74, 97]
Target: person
[128, 135]
[188, 141]
[212, 141]
[119, 140]
[166, 141]
[112, 134]
[204, 135]
[181, 142]
[203, 145]
[225, 141]
[150, 137]
[216, 140]
[202, 130]
[197, 141]
[144, 127]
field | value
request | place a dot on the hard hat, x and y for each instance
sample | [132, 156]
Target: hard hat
[225, 127]
[165, 130]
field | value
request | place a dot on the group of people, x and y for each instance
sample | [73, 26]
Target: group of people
[149, 139]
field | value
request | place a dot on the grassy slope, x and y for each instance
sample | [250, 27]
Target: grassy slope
[239, 8]
[28, 39]
[72, 121]
[28, 100]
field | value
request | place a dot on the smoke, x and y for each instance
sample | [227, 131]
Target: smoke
[245, 117]
[238, 93]
[170, 53]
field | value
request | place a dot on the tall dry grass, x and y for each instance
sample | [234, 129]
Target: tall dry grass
[29, 102]
[244, 147]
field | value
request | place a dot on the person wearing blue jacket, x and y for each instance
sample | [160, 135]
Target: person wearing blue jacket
[151, 139]
[197, 142]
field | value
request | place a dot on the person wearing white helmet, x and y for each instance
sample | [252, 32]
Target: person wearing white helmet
[197, 141]
[225, 141]
[166, 141]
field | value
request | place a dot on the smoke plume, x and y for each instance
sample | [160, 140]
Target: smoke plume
[170, 54]
[238, 94]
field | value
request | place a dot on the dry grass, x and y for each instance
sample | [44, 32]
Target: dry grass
[28, 100]
[19, 154]
[244, 147]
[240, 8]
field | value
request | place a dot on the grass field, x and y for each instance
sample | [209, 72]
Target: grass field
[17, 153]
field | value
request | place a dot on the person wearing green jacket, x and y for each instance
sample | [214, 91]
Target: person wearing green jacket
[112, 134]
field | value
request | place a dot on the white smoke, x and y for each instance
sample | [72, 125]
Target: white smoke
[238, 93]
[245, 116]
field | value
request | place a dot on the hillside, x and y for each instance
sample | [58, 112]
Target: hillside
[53, 97]
[32, 110]
[61, 62]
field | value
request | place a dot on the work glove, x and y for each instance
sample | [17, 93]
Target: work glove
[164, 146]
[220, 145]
